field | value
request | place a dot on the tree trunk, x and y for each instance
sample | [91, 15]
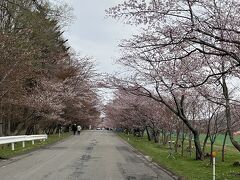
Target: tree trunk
[8, 121]
[148, 134]
[190, 143]
[182, 146]
[205, 142]
[162, 136]
[176, 143]
[228, 114]
[183, 139]
[1, 119]
[170, 143]
[199, 154]
[223, 146]
[156, 136]
[142, 133]
[20, 127]
[211, 151]
[181, 115]
[29, 130]
[165, 138]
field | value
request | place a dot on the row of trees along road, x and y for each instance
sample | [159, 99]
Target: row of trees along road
[43, 85]
[187, 51]
[139, 114]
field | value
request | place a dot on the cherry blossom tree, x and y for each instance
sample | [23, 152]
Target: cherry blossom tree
[184, 46]
[42, 83]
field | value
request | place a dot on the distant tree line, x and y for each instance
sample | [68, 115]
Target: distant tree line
[139, 115]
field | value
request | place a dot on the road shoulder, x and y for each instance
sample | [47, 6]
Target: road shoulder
[148, 160]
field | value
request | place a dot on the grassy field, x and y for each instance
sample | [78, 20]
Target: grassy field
[6, 152]
[186, 166]
[219, 139]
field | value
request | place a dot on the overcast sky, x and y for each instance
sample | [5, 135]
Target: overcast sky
[95, 35]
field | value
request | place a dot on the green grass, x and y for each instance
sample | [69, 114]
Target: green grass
[220, 138]
[186, 166]
[6, 151]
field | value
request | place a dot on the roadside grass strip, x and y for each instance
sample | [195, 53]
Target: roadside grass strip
[185, 166]
[6, 151]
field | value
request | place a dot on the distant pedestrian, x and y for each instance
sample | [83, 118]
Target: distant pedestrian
[79, 128]
[74, 128]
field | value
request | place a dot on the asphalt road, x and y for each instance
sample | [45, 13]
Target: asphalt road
[94, 155]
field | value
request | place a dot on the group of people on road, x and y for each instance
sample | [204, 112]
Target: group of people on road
[76, 128]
